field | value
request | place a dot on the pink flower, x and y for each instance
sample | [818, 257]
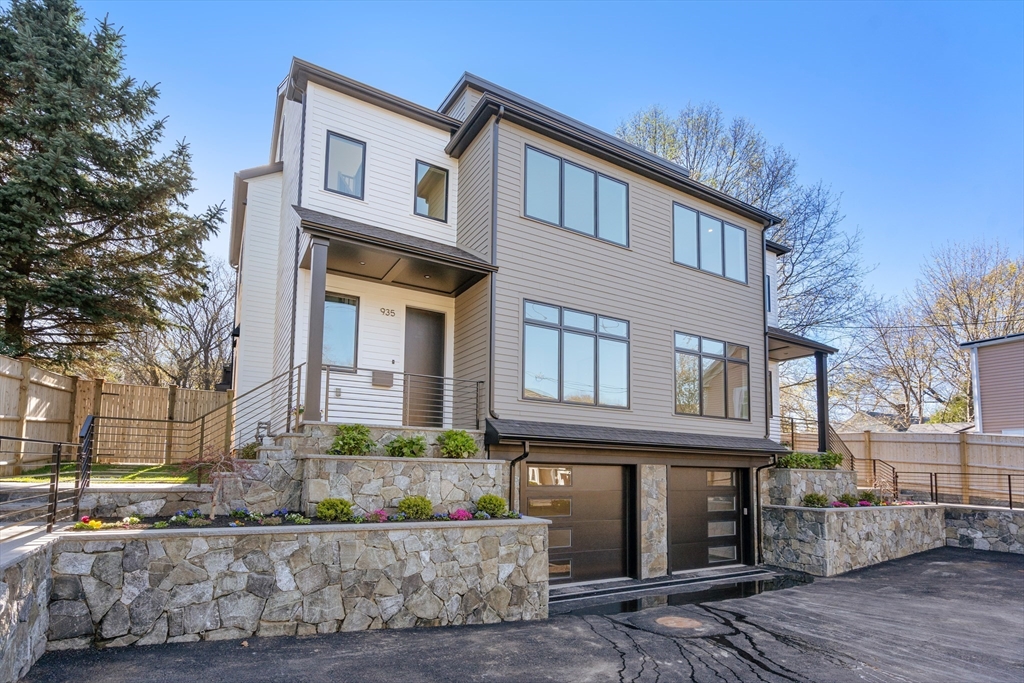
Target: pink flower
[864, 503]
[461, 515]
[85, 519]
[839, 504]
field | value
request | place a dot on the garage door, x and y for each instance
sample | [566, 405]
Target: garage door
[705, 507]
[587, 508]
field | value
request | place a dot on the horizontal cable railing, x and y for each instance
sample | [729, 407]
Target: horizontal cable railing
[48, 494]
[967, 488]
[399, 399]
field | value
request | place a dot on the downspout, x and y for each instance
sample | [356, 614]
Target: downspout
[494, 262]
[512, 470]
[764, 317]
[757, 508]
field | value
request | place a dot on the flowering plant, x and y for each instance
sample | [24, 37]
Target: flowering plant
[839, 504]
[460, 516]
[377, 516]
[864, 503]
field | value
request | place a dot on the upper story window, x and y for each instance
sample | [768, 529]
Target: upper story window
[571, 196]
[707, 243]
[431, 192]
[712, 378]
[346, 165]
[574, 357]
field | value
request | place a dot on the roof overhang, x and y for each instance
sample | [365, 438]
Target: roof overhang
[373, 253]
[506, 431]
[993, 341]
[776, 248]
[239, 196]
[783, 345]
[597, 143]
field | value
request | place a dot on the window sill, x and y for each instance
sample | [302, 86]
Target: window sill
[585, 406]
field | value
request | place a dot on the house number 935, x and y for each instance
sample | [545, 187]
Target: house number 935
[389, 312]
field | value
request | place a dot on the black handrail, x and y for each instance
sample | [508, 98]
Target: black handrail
[47, 507]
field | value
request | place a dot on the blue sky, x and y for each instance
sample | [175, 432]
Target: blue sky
[914, 111]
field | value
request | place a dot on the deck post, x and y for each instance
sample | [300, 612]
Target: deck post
[821, 375]
[315, 343]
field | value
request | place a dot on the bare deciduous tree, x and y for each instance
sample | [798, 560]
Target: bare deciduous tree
[190, 346]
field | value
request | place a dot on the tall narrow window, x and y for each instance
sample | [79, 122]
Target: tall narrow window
[710, 244]
[431, 191]
[571, 196]
[341, 315]
[346, 159]
[574, 357]
[712, 378]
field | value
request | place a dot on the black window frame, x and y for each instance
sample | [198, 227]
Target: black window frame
[725, 224]
[447, 179]
[700, 354]
[327, 167]
[355, 333]
[561, 196]
[597, 335]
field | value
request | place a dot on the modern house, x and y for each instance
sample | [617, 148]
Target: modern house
[997, 375]
[607, 321]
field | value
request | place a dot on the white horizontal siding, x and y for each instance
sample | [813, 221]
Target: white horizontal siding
[771, 267]
[393, 144]
[257, 283]
[287, 224]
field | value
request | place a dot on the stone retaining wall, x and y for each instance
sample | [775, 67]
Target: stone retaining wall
[788, 486]
[125, 587]
[24, 618]
[317, 437]
[830, 541]
[145, 501]
[372, 483]
[985, 528]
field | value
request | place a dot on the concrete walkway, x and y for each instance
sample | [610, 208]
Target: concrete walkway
[945, 616]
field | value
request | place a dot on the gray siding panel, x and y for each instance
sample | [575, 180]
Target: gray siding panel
[639, 284]
[472, 333]
[1001, 380]
[474, 231]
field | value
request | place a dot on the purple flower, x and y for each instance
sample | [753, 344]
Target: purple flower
[460, 515]
[839, 504]
[864, 503]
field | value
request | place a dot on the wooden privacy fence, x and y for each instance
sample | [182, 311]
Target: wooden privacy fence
[968, 465]
[39, 404]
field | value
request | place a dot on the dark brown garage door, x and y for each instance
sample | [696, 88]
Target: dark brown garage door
[587, 507]
[705, 508]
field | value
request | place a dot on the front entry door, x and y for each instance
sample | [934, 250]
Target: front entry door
[705, 517]
[424, 367]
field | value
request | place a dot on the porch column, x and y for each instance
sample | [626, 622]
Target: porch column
[315, 343]
[821, 375]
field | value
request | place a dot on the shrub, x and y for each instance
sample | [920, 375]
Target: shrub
[491, 504]
[198, 521]
[352, 440]
[160, 525]
[871, 497]
[334, 510]
[407, 447]
[809, 461]
[270, 521]
[815, 500]
[416, 507]
[456, 443]
[849, 499]
[249, 451]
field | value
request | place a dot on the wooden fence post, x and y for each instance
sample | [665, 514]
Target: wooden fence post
[97, 410]
[172, 399]
[965, 480]
[72, 427]
[22, 428]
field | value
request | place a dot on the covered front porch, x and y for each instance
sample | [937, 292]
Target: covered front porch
[392, 327]
[786, 346]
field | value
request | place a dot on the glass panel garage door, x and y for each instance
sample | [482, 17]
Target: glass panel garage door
[705, 515]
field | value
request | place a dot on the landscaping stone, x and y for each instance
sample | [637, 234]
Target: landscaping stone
[214, 584]
[788, 486]
[984, 528]
[653, 521]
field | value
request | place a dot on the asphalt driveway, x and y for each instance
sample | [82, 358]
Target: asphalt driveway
[948, 615]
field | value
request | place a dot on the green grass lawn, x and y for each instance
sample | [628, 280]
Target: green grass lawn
[142, 474]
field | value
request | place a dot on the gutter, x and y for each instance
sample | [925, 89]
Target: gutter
[765, 294]
[494, 263]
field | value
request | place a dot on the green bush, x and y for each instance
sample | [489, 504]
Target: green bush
[407, 447]
[249, 451]
[809, 461]
[352, 440]
[416, 507]
[815, 500]
[456, 443]
[491, 504]
[849, 499]
[334, 510]
[871, 497]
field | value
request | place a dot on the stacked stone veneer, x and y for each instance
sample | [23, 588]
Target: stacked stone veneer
[124, 588]
[830, 541]
[985, 528]
[372, 483]
[317, 438]
[653, 521]
[145, 501]
[24, 618]
[786, 486]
